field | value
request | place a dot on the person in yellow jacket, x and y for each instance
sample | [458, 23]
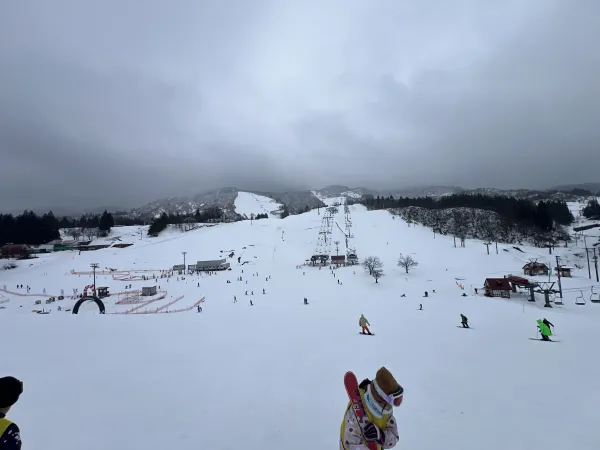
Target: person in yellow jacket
[379, 398]
[364, 323]
[10, 391]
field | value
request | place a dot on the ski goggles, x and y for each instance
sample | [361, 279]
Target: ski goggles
[393, 399]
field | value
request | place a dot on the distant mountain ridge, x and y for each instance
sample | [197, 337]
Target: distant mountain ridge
[298, 201]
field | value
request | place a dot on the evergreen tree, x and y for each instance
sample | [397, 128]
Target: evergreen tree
[106, 222]
[592, 209]
[542, 218]
[158, 224]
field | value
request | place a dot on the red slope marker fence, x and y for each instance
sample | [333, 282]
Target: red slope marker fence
[189, 308]
[142, 305]
[163, 309]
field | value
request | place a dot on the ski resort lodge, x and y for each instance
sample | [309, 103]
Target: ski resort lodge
[338, 260]
[564, 271]
[534, 268]
[217, 264]
[497, 287]
[202, 266]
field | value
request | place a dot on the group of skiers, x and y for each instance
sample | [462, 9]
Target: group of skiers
[543, 325]
[379, 396]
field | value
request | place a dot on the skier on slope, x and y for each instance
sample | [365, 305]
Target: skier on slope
[364, 323]
[464, 321]
[548, 323]
[379, 397]
[544, 330]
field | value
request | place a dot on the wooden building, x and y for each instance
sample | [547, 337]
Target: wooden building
[534, 268]
[338, 260]
[179, 268]
[564, 271]
[352, 259]
[148, 291]
[211, 265]
[497, 287]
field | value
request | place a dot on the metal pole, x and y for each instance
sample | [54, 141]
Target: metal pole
[588, 257]
[559, 283]
[94, 267]
[596, 266]
[184, 266]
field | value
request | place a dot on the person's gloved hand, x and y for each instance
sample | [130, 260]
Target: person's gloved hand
[372, 433]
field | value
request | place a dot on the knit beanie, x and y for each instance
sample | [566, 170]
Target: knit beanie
[10, 390]
[386, 381]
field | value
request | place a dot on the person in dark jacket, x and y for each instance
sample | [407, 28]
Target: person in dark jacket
[10, 390]
[464, 321]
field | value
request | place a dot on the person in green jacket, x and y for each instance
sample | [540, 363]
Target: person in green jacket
[544, 330]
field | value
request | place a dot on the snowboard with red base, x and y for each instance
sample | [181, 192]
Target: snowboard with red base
[356, 403]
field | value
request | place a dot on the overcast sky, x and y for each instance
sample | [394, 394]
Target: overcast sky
[120, 102]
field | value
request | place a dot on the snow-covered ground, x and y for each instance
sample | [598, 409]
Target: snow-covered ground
[247, 203]
[269, 376]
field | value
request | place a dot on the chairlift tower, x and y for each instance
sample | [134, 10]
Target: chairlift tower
[324, 241]
[547, 288]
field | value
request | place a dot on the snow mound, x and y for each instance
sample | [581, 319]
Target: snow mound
[247, 203]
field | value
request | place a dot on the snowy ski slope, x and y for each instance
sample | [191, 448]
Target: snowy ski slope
[247, 203]
[269, 376]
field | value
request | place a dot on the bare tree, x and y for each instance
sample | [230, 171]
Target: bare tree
[189, 224]
[407, 262]
[377, 274]
[488, 227]
[90, 233]
[372, 263]
[74, 233]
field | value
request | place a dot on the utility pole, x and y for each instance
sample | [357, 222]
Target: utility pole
[184, 266]
[588, 256]
[337, 247]
[595, 258]
[487, 245]
[496, 247]
[558, 273]
[94, 266]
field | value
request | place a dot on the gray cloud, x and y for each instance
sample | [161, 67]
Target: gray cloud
[112, 103]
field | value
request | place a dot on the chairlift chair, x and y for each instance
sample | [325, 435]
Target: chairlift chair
[554, 300]
[580, 300]
[594, 296]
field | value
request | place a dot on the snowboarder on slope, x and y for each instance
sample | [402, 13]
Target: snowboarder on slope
[464, 321]
[364, 323]
[379, 397]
